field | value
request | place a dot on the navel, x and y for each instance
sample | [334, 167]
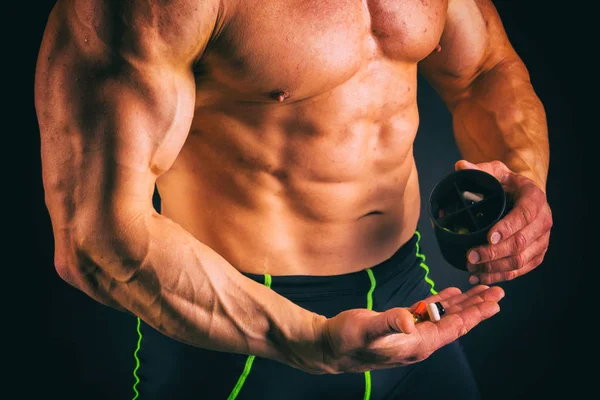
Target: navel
[279, 95]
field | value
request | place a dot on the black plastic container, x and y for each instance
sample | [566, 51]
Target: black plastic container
[472, 218]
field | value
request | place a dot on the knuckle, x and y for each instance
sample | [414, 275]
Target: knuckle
[528, 213]
[539, 259]
[487, 267]
[489, 254]
[509, 225]
[519, 261]
[390, 324]
[510, 275]
[548, 222]
[494, 266]
[496, 164]
[520, 241]
[541, 196]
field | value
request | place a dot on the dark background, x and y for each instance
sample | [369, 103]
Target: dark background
[71, 347]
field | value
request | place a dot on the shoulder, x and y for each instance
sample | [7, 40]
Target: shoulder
[133, 29]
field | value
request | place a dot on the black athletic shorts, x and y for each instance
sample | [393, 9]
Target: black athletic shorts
[167, 369]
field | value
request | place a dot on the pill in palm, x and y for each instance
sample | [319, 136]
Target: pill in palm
[435, 311]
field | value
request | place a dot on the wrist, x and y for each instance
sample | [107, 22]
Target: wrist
[517, 163]
[307, 348]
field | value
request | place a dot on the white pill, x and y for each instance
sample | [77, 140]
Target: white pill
[475, 197]
[434, 313]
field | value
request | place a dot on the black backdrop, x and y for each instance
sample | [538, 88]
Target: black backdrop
[68, 346]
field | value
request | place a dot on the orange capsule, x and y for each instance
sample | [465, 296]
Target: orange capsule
[420, 312]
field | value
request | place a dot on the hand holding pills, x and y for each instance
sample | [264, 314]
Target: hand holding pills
[362, 340]
[519, 241]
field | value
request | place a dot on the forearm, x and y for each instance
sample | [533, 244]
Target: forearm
[501, 118]
[181, 287]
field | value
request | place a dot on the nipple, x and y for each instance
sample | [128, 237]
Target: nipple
[438, 48]
[279, 95]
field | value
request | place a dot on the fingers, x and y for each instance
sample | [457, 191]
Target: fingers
[394, 320]
[472, 296]
[516, 260]
[499, 170]
[514, 244]
[493, 277]
[492, 294]
[400, 320]
[453, 299]
[454, 325]
[530, 202]
[442, 295]
[459, 298]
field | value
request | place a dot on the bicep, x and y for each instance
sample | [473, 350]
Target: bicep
[110, 129]
[108, 109]
[473, 42]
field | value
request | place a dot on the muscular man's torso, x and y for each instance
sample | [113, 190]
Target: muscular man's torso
[300, 154]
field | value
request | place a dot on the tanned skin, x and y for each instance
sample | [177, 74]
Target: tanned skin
[280, 136]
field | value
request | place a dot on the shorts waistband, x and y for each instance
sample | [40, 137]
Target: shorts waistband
[294, 285]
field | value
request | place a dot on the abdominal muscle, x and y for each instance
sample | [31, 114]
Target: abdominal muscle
[323, 185]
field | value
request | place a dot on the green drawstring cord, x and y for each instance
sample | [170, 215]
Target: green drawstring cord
[242, 379]
[369, 307]
[137, 360]
[424, 266]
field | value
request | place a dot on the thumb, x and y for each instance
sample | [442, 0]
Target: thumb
[395, 320]
[464, 164]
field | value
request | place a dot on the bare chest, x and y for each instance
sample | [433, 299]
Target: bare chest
[296, 48]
